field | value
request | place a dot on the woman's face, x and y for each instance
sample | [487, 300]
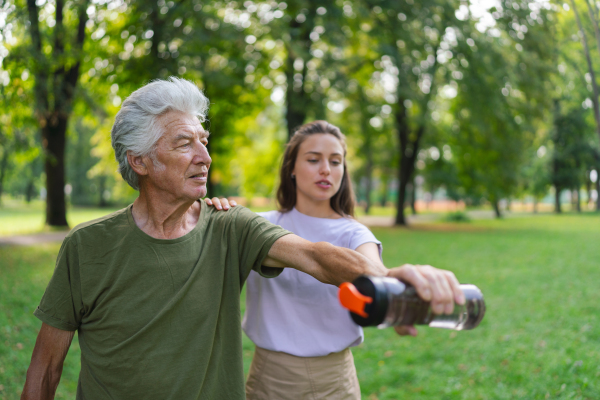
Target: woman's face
[319, 167]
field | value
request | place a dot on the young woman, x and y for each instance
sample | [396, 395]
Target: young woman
[302, 334]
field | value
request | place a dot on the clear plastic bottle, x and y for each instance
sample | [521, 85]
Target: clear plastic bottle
[384, 302]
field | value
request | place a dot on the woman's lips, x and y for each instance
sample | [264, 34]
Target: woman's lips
[324, 184]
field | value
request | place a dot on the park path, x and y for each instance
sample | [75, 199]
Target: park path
[368, 220]
[33, 239]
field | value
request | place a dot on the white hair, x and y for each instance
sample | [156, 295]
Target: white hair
[136, 126]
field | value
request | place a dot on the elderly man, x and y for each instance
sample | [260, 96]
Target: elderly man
[154, 289]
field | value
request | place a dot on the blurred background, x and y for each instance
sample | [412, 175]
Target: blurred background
[447, 104]
[475, 123]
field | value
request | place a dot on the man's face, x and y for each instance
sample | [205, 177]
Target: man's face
[181, 161]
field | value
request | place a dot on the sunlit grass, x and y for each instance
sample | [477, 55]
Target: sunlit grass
[19, 218]
[539, 339]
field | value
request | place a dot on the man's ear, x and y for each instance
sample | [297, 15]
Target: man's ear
[137, 163]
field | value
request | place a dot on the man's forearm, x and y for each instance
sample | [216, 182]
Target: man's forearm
[41, 382]
[47, 360]
[338, 264]
[324, 261]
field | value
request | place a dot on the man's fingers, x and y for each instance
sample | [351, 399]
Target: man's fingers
[411, 274]
[440, 287]
[443, 297]
[406, 330]
[459, 296]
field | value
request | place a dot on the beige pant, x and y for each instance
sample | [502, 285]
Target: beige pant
[281, 376]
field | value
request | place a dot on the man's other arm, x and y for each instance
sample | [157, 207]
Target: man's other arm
[334, 265]
[46, 366]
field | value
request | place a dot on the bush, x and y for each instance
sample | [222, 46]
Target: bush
[457, 216]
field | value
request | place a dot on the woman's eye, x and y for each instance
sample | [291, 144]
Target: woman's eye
[312, 161]
[336, 162]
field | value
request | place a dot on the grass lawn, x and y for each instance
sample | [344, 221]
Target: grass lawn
[18, 218]
[539, 340]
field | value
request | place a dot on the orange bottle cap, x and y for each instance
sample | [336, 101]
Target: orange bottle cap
[353, 300]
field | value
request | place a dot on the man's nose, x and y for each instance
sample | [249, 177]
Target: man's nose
[202, 156]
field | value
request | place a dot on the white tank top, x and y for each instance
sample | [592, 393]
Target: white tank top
[295, 313]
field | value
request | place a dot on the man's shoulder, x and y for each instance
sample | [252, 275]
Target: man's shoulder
[101, 228]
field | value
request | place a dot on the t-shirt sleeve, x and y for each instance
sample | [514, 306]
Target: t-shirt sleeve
[361, 235]
[255, 236]
[61, 306]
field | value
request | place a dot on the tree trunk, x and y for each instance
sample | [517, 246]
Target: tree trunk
[400, 217]
[535, 205]
[3, 168]
[598, 192]
[384, 191]
[298, 48]
[54, 141]
[577, 199]
[413, 197]
[101, 189]
[366, 150]
[496, 205]
[368, 186]
[58, 77]
[29, 191]
[295, 98]
[409, 147]
[557, 208]
[588, 189]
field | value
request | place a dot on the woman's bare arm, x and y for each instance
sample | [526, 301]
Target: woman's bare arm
[371, 251]
[47, 360]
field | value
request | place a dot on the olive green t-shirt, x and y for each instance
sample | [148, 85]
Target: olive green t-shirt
[158, 319]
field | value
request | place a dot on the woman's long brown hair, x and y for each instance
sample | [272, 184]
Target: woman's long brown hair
[343, 201]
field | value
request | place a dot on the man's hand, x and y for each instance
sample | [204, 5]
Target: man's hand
[438, 286]
[221, 204]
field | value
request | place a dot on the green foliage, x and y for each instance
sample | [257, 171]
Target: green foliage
[457, 216]
[574, 151]
[399, 78]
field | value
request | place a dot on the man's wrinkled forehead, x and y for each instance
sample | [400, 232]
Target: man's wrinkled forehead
[175, 120]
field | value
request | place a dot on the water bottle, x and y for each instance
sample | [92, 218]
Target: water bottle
[385, 302]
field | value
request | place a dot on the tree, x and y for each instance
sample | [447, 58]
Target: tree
[572, 153]
[417, 37]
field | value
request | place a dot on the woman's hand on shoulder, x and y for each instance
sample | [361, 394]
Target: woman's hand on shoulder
[221, 204]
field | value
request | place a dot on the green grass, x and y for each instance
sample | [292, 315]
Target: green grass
[539, 339]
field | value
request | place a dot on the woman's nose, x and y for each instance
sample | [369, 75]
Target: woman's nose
[325, 170]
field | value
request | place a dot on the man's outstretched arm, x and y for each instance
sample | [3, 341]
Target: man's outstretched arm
[46, 366]
[334, 265]
[324, 261]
